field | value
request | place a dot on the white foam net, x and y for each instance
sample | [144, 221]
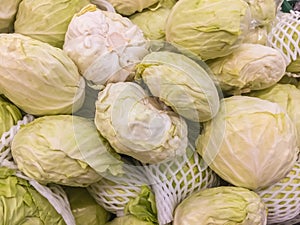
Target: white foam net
[283, 198]
[113, 193]
[285, 35]
[173, 181]
[54, 193]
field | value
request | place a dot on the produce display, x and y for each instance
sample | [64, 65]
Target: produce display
[149, 112]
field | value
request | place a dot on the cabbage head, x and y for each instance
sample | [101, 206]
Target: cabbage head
[84, 208]
[180, 83]
[221, 205]
[263, 12]
[63, 149]
[137, 125]
[47, 20]
[288, 97]
[9, 115]
[104, 45]
[249, 67]
[39, 78]
[152, 22]
[128, 7]
[209, 28]
[128, 220]
[21, 204]
[257, 35]
[255, 147]
[8, 11]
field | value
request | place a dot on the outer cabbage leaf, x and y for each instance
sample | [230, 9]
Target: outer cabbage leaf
[47, 20]
[20, 203]
[39, 78]
[256, 147]
[71, 142]
[136, 125]
[9, 115]
[221, 205]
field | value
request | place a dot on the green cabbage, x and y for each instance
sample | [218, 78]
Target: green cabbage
[9, 115]
[47, 20]
[250, 143]
[84, 208]
[21, 204]
[249, 67]
[288, 97]
[138, 126]
[209, 28]
[39, 78]
[221, 205]
[63, 149]
[8, 11]
[180, 83]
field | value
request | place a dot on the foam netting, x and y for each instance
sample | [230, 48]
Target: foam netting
[54, 193]
[175, 180]
[285, 36]
[283, 198]
[114, 192]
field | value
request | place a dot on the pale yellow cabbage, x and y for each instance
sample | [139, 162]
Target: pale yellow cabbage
[249, 67]
[135, 125]
[250, 143]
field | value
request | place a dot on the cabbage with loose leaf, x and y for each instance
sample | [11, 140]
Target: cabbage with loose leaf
[20, 203]
[64, 149]
[136, 125]
[180, 83]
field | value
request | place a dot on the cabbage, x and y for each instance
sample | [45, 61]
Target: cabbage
[152, 22]
[288, 97]
[104, 45]
[257, 145]
[221, 205]
[137, 126]
[20, 203]
[249, 67]
[209, 28]
[47, 20]
[180, 83]
[128, 7]
[257, 35]
[72, 142]
[39, 78]
[263, 12]
[9, 115]
[8, 11]
[84, 208]
[128, 220]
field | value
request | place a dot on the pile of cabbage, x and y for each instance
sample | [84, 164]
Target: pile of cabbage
[123, 92]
